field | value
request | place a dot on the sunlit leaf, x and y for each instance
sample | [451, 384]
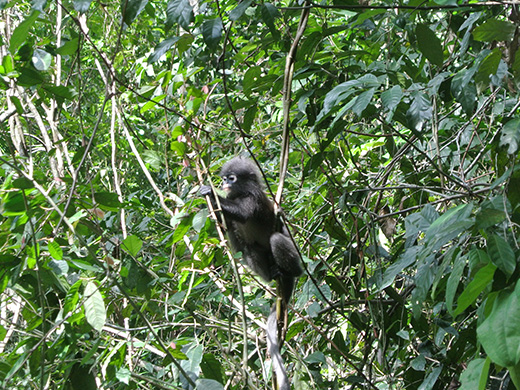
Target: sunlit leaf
[179, 11]
[95, 312]
[475, 376]
[239, 10]
[494, 30]
[132, 244]
[20, 33]
[82, 6]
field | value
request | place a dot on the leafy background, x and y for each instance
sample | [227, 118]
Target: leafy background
[402, 191]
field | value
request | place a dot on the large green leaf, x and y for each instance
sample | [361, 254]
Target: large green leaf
[494, 30]
[420, 110]
[212, 32]
[132, 244]
[475, 375]
[95, 312]
[499, 333]
[481, 280]
[131, 9]
[21, 32]
[179, 11]
[429, 44]
[501, 254]
[239, 10]
[510, 135]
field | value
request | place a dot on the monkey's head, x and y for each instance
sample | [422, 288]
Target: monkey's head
[240, 176]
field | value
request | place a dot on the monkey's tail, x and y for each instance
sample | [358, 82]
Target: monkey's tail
[280, 379]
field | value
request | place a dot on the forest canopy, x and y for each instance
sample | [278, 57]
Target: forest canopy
[396, 125]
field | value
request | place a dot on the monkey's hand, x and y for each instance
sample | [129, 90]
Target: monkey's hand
[205, 190]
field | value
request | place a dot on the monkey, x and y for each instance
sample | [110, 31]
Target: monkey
[254, 229]
[252, 226]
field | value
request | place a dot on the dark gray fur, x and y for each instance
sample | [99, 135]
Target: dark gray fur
[252, 225]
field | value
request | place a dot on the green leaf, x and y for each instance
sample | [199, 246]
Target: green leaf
[29, 77]
[448, 226]
[510, 135]
[82, 6]
[20, 33]
[392, 97]
[239, 10]
[360, 102]
[406, 259]
[212, 367]
[488, 67]
[23, 183]
[199, 220]
[420, 110]
[60, 92]
[131, 9]
[251, 79]
[494, 30]
[429, 44]
[132, 244]
[499, 333]
[212, 32]
[162, 48]
[475, 375]
[55, 250]
[453, 282]
[13, 204]
[95, 312]
[41, 59]
[431, 379]
[501, 254]
[269, 14]
[59, 267]
[182, 228]
[179, 11]
[109, 200]
[208, 384]
[68, 47]
[488, 217]
[482, 279]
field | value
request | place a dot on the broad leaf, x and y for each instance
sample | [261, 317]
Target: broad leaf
[212, 32]
[499, 333]
[429, 44]
[501, 254]
[392, 97]
[420, 110]
[475, 375]
[20, 33]
[132, 244]
[239, 10]
[131, 9]
[162, 48]
[480, 281]
[510, 136]
[95, 312]
[494, 30]
[82, 6]
[179, 11]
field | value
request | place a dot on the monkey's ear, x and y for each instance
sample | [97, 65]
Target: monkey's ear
[205, 190]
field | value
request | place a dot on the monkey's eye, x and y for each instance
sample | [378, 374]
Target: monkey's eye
[231, 179]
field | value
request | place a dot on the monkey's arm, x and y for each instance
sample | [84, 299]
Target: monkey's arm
[238, 209]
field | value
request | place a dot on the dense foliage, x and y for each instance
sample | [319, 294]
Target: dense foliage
[403, 192]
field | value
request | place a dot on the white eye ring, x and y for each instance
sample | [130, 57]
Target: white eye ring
[229, 179]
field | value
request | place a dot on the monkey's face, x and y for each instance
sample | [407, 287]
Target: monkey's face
[228, 181]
